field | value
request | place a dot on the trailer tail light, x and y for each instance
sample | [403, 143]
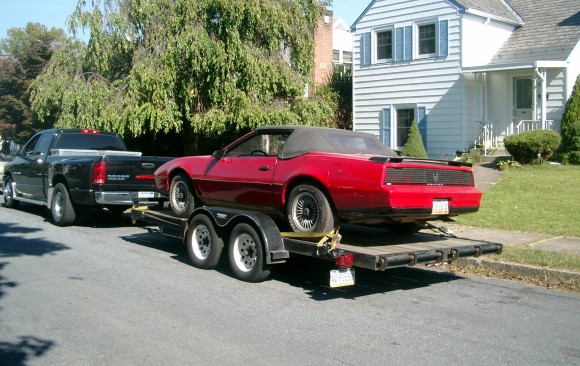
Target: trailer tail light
[100, 173]
[345, 260]
[89, 131]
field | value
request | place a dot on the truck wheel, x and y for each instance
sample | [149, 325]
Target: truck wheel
[181, 198]
[308, 210]
[63, 211]
[8, 192]
[246, 254]
[203, 245]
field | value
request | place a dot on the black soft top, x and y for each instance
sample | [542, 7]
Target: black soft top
[304, 139]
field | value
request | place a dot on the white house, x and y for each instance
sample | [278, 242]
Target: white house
[341, 43]
[466, 71]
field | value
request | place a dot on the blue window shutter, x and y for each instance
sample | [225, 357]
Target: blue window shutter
[443, 50]
[399, 44]
[422, 124]
[366, 49]
[386, 126]
[408, 54]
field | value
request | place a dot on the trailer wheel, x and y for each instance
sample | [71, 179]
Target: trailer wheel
[63, 211]
[181, 198]
[308, 210]
[246, 254]
[8, 192]
[203, 245]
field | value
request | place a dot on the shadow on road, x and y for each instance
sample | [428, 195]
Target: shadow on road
[12, 244]
[16, 354]
[310, 274]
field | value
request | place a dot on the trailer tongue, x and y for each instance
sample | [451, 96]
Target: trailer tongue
[253, 243]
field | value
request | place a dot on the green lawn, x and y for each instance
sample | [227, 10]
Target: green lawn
[533, 198]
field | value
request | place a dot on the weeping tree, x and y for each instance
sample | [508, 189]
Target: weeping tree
[185, 67]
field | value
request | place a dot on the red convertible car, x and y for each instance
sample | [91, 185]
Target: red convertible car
[316, 178]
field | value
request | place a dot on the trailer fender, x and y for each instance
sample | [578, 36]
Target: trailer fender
[266, 227]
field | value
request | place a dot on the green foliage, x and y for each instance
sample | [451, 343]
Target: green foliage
[414, 145]
[532, 146]
[203, 67]
[339, 85]
[507, 164]
[29, 50]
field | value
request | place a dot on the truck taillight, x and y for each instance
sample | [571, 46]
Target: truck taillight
[99, 173]
[94, 132]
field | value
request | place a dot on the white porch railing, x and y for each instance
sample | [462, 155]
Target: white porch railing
[532, 125]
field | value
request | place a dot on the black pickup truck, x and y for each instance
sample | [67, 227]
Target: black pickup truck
[70, 171]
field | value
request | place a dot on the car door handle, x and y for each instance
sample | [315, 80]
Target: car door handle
[265, 168]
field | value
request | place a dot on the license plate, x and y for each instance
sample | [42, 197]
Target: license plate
[146, 194]
[342, 277]
[440, 207]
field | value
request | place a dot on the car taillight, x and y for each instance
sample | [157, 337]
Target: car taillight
[99, 173]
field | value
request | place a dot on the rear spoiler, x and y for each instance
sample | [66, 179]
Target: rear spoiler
[400, 159]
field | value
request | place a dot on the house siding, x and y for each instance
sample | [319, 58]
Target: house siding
[482, 38]
[434, 83]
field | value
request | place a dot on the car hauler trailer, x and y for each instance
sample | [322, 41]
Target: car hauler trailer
[253, 242]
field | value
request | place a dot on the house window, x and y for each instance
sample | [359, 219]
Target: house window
[384, 45]
[405, 117]
[347, 57]
[336, 56]
[427, 38]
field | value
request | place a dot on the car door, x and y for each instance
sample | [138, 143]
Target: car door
[20, 167]
[242, 178]
[36, 170]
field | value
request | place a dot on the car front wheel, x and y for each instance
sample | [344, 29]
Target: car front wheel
[181, 198]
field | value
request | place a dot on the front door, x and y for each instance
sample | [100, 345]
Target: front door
[523, 103]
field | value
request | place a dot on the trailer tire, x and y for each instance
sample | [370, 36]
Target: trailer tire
[247, 255]
[8, 192]
[309, 210]
[62, 208]
[203, 245]
[181, 198]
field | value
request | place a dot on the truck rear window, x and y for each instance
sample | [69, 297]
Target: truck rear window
[89, 142]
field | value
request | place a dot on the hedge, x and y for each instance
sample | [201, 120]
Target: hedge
[532, 146]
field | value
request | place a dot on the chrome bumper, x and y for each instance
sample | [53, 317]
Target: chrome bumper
[128, 198]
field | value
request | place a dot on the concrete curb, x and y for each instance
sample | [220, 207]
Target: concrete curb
[522, 270]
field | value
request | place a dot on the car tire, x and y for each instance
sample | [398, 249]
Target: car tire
[246, 254]
[62, 208]
[8, 192]
[203, 245]
[308, 210]
[181, 198]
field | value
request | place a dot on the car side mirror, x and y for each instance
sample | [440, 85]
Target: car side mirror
[218, 154]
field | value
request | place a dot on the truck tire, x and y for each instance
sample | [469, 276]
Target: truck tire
[181, 198]
[308, 210]
[203, 245]
[246, 254]
[8, 192]
[63, 211]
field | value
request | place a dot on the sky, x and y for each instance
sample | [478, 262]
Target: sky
[53, 13]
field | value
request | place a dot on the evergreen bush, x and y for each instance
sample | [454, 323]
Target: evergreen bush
[414, 145]
[570, 149]
[532, 146]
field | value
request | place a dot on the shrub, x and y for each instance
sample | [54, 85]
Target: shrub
[414, 145]
[570, 149]
[472, 157]
[532, 146]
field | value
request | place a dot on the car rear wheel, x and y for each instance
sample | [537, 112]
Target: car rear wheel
[308, 210]
[181, 198]
[62, 209]
[8, 192]
[203, 245]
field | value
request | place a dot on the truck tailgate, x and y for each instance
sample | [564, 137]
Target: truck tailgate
[130, 173]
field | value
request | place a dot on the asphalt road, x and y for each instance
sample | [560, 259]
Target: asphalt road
[116, 294]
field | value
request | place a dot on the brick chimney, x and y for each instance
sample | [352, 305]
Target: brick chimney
[322, 49]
